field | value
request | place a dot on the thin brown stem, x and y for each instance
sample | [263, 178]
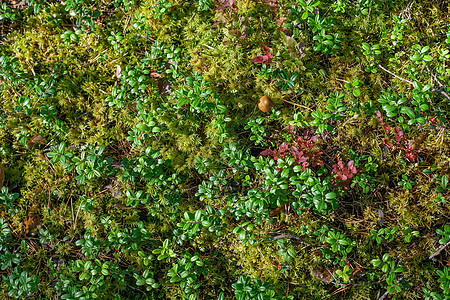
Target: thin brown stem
[296, 104]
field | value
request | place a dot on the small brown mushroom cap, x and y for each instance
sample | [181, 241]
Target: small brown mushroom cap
[265, 104]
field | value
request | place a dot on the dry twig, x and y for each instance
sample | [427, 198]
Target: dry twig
[439, 250]
[410, 82]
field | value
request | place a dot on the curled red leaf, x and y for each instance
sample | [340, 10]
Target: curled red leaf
[264, 59]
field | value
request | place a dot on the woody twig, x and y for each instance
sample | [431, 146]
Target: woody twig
[441, 91]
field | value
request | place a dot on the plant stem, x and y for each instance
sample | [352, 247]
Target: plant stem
[410, 82]
[296, 104]
[284, 236]
[439, 250]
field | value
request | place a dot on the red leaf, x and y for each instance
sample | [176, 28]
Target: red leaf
[266, 152]
[302, 159]
[411, 155]
[264, 59]
[399, 135]
[267, 50]
[283, 148]
[260, 59]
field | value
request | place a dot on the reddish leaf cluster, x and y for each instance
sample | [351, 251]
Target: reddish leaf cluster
[273, 4]
[226, 3]
[410, 152]
[344, 173]
[387, 128]
[281, 21]
[264, 59]
[302, 151]
[226, 6]
[398, 134]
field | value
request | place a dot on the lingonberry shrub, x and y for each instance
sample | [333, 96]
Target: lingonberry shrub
[302, 149]
[264, 59]
[344, 173]
[411, 149]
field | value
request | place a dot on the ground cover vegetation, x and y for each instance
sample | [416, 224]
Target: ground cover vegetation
[224, 149]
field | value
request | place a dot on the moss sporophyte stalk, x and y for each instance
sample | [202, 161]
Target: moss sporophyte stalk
[224, 149]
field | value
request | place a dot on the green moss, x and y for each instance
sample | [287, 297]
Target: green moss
[219, 44]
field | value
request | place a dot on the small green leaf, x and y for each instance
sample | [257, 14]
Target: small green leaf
[142, 126]
[140, 282]
[376, 262]
[331, 196]
[421, 120]
[221, 108]
[199, 263]
[87, 265]
[198, 215]
[292, 252]
[74, 37]
[185, 274]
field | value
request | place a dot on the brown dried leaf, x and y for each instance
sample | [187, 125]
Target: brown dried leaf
[165, 87]
[122, 206]
[37, 139]
[276, 211]
[415, 144]
[32, 223]
[323, 274]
